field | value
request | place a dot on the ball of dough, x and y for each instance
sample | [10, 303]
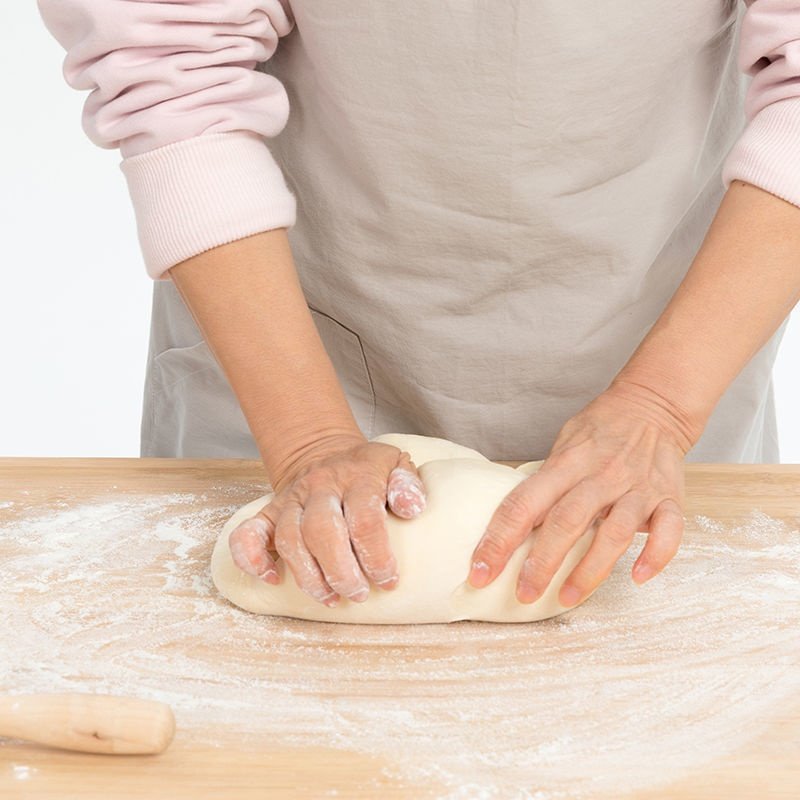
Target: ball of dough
[429, 448]
[433, 551]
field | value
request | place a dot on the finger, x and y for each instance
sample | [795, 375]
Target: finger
[290, 546]
[405, 491]
[666, 528]
[567, 520]
[514, 518]
[325, 533]
[249, 543]
[613, 537]
[365, 514]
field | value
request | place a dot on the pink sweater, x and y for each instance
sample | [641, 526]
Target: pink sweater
[173, 86]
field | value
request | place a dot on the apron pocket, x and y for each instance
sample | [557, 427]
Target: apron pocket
[194, 412]
[346, 353]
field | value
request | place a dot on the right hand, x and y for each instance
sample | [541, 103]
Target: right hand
[327, 520]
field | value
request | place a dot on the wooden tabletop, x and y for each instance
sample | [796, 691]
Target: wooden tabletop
[243, 754]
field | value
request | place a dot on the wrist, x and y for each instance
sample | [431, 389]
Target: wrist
[285, 464]
[660, 408]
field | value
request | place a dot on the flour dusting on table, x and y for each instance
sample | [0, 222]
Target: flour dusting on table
[636, 684]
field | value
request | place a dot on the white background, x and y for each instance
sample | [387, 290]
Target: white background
[75, 298]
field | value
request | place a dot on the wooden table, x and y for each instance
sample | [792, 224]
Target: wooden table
[765, 764]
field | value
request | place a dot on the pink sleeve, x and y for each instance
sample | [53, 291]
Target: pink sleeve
[173, 86]
[767, 154]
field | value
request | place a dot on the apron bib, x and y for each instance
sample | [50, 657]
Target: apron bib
[494, 203]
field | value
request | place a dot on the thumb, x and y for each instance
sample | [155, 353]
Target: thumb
[250, 541]
[405, 492]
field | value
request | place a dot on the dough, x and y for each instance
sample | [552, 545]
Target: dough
[433, 551]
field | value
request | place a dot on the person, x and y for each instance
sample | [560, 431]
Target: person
[566, 231]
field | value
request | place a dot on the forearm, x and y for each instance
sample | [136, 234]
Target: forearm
[247, 301]
[743, 282]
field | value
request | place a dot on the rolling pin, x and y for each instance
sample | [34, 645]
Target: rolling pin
[90, 723]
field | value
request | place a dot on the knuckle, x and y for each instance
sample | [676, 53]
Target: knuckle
[545, 562]
[555, 460]
[619, 535]
[370, 539]
[367, 519]
[567, 515]
[323, 547]
[285, 544]
[316, 532]
[514, 508]
[281, 545]
[297, 492]
[317, 477]
[614, 470]
[373, 553]
[404, 461]
[562, 459]
[369, 530]
[379, 562]
[672, 514]
[267, 512]
[492, 548]
[323, 528]
[625, 518]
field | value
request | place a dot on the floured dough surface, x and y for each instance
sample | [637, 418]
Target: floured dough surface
[433, 551]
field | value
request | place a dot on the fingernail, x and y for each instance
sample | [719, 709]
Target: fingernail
[569, 596]
[642, 572]
[270, 576]
[406, 494]
[360, 596]
[479, 574]
[387, 583]
[332, 602]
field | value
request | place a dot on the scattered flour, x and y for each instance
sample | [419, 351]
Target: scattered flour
[636, 684]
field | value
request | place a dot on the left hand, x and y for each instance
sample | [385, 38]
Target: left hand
[620, 459]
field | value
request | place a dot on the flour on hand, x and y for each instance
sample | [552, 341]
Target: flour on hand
[433, 551]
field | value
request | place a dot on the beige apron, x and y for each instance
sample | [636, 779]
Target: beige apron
[495, 202]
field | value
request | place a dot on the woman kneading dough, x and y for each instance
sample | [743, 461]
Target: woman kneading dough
[548, 232]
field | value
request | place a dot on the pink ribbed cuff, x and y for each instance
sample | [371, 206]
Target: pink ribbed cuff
[767, 154]
[195, 194]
